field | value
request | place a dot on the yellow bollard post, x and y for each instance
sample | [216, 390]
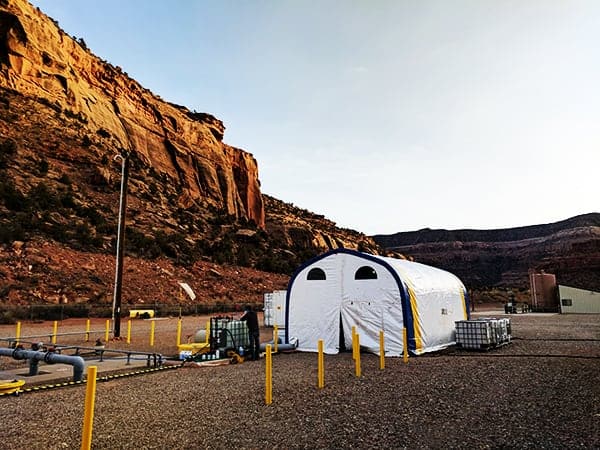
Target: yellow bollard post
[381, 351]
[178, 332]
[152, 326]
[357, 360]
[321, 366]
[275, 337]
[54, 331]
[208, 332]
[87, 330]
[88, 417]
[107, 331]
[129, 331]
[268, 377]
[18, 333]
[354, 342]
[405, 352]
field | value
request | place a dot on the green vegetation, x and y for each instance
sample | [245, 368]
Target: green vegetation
[58, 211]
[55, 214]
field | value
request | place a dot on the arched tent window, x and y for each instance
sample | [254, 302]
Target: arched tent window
[316, 274]
[365, 273]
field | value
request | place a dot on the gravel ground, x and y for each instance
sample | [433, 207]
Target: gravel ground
[513, 397]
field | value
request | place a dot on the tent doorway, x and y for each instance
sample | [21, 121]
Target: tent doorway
[367, 317]
[342, 343]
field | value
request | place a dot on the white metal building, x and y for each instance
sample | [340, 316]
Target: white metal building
[578, 301]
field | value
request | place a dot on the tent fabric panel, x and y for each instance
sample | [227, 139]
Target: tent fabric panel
[416, 335]
[369, 303]
[313, 308]
[438, 302]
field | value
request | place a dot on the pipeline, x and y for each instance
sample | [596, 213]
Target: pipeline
[292, 346]
[48, 357]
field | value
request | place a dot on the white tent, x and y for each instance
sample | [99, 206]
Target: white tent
[343, 288]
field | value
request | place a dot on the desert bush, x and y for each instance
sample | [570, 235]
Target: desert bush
[65, 179]
[76, 115]
[42, 167]
[86, 141]
[13, 199]
[8, 149]
[9, 232]
[83, 233]
[67, 200]
[103, 133]
[42, 197]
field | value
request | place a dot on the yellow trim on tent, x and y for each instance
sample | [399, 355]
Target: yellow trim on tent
[415, 314]
[464, 303]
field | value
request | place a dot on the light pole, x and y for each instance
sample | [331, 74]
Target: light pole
[116, 308]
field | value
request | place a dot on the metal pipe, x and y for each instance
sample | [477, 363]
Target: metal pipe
[48, 357]
[33, 367]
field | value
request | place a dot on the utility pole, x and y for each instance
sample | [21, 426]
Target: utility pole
[116, 309]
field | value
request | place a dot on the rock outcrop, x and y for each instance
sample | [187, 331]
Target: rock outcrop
[39, 60]
[293, 227]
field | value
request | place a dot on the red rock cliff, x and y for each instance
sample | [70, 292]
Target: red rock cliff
[38, 59]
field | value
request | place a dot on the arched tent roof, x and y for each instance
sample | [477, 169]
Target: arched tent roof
[373, 292]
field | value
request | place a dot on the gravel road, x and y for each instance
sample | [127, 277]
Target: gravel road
[517, 396]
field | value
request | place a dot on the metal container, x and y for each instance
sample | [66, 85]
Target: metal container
[237, 334]
[544, 291]
[274, 308]
[482, 334]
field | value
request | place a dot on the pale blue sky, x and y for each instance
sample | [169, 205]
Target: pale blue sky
[384, 116]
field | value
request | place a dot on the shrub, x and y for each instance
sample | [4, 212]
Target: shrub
[10, 232]
[67, 200]
[83, 233]
[103, 133]
[86, 142]
[65, 179]
[12, 197]
[8, 149]
[42, 167]
[42, 197]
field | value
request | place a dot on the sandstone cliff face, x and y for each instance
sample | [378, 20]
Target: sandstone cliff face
[501, 258]
[39, 60]
[193, 201]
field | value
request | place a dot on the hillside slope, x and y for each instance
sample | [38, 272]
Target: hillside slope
[501, 258]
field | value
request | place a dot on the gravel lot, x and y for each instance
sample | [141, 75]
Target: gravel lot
[513, 397]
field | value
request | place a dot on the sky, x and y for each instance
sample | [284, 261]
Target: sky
[384, 116]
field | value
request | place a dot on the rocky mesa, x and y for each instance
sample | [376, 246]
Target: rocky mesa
[41, 61]
[501, 258]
